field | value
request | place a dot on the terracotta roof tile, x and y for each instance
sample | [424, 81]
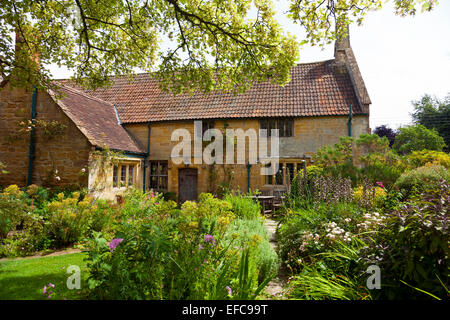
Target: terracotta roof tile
[95, 118]
[315, 89]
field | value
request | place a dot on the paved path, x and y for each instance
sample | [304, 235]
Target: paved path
[276, 287]
[43, 255]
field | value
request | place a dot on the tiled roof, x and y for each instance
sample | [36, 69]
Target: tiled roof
[315, 89]
[95, 118]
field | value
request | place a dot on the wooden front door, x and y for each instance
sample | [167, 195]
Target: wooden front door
[187, 184]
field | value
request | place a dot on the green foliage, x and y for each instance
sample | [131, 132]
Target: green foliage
[12, 211]
[24, 279]
[244, 208]
[244, 231]
[209, 44]
[68, 219]
[160, 252]
[434, 114]
[379, 162]
[421, 158]
[422, 178]
[412, 247]
[323, 281]
[310, 191]
[416, 138]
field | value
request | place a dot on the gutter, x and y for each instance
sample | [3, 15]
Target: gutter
[127, 153]
[32, 142]
[349, 123]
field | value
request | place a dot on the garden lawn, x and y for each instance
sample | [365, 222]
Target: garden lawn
[24, 279]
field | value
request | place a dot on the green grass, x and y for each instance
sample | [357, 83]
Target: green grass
[24, 279]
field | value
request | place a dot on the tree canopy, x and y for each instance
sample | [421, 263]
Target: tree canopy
[385, 131]
[417, 138]
[188, 44]
[434, 113]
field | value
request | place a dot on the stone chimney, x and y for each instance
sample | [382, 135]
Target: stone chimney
[345, 60]
[342, 42]
[34, 56]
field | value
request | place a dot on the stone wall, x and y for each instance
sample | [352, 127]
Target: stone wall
[310, 133]
[66, 154]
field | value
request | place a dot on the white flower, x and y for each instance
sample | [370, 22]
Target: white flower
[83, 170]
[57, 178]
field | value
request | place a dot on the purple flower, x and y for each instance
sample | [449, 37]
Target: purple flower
[114, 243]
[44, 291]
[209, 238]
[51, 285]
[200, 247]
[229, 290]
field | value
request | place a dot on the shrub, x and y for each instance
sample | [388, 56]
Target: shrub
[421, 158]
[241, 232]
[244, 208]
[68, 218]
[379, 162]
[411, 248]
[422, 178]
[416, 138]
[27, 241]
[177, 254]
[337, 160]
[12, 210]
[369, 197]
[310, 192]
[335, 276]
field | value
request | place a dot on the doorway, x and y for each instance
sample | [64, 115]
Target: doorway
[187, 184]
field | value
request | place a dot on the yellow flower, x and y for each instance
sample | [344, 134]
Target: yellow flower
[13, 190]
[255, 240]
[60, 196]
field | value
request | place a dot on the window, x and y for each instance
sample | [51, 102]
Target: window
[124, 175]
[158, 175]
[205, 126]
[283, 125]
[285, 170]
[130, 176]
[115, 176]
[279, 175]
[290, 171]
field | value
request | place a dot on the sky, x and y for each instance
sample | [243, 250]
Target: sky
[400, 58]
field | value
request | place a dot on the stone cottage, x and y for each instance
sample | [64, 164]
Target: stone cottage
[120, 136]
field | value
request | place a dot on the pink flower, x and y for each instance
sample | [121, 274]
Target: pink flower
[44, 291]
[209, 238]
[380, 184]
[114, 243]
[229, 290]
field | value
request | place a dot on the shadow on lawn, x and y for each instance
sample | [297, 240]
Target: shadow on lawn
[25, 279]
[31, 287]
